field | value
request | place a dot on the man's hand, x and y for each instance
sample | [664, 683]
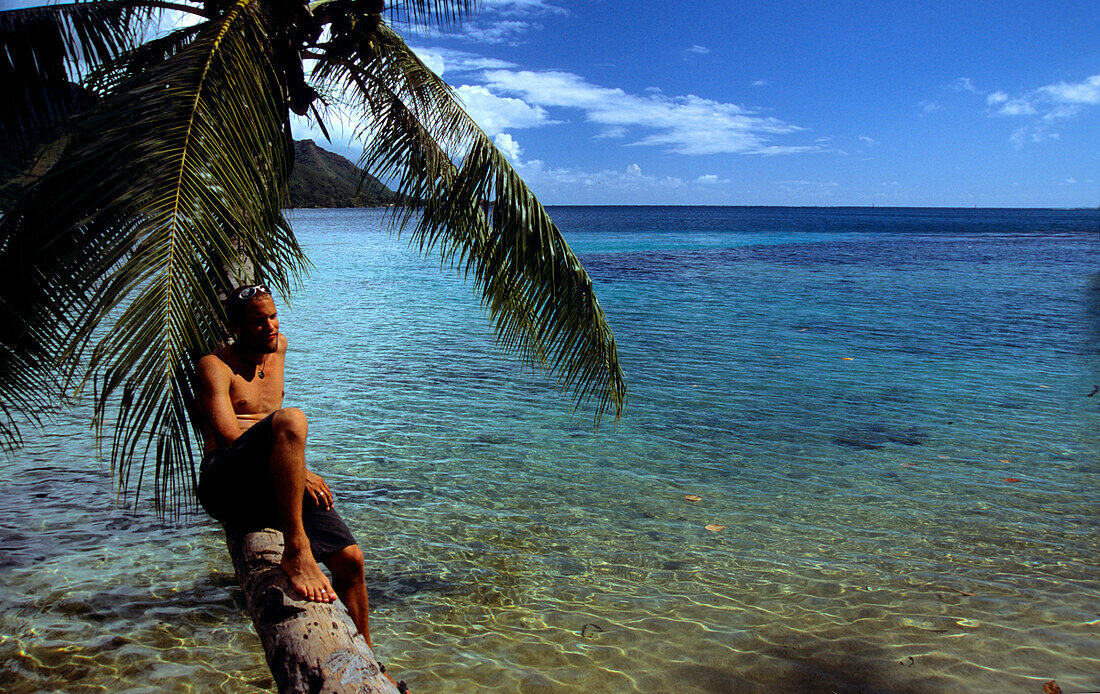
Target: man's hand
[317, 492]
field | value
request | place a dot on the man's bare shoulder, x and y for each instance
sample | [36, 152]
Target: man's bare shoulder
[282, 343]
[214, 365]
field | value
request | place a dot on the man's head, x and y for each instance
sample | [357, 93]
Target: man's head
[253, 318]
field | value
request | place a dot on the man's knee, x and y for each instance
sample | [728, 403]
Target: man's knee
[347, 564]
[290, 422]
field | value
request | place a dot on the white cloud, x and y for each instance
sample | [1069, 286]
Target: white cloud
[685, 125]
[964, 84]
[509, 147]
[521, 6]
[1018, 137]
[711, 179]
[867, 140]
[1033, 134]
[1085, 93]
[548, 180]
[495, 114]
[1049, 104]
[1016, 107]
[1044, 107]
[433, 60]
[612, 133]
[699, 50]
[457, 62]
[760, 83]
[1062, 111]
[1071, 180]
[501, 31]
[495, 22]
[537, 175]
[929, 106]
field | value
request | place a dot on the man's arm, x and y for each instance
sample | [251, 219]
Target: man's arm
[214, 402]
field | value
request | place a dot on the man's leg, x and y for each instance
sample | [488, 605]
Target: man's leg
[288, 469]
[347, 575]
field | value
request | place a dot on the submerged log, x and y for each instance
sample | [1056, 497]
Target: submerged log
[310, 646]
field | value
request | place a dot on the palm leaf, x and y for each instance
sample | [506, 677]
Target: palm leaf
[45, 51]
[28, 383]
[184, 169]
[106, 78]
[432, 13]
[479, 214]
[58, 42]
[440, 14]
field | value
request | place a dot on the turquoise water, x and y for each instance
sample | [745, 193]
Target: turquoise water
[887, 410]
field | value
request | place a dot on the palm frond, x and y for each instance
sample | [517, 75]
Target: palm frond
[45, 51]
[432, 13]
[28, 384]
[185, 168]
[105, 78]
[479, 214]
[439, 14]
[56, 42]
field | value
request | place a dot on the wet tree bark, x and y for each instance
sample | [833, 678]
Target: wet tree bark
[310, 646]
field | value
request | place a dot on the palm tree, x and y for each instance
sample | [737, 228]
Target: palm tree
[175, 151]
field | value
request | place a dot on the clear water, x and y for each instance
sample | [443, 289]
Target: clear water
[887, 410]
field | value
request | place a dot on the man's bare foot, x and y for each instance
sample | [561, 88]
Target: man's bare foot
[306, 577]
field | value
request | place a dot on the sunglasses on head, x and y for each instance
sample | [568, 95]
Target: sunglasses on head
[250, 291]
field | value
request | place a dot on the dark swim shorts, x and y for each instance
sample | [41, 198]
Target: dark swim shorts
[234, 488]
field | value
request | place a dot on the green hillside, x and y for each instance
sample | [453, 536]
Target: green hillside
[323, 179]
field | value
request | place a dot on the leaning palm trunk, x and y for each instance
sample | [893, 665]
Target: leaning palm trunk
[310, 646]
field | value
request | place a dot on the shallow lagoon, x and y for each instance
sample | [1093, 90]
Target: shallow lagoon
[886, 409]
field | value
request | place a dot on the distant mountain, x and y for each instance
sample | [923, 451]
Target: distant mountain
[323, 179]
[319, 178]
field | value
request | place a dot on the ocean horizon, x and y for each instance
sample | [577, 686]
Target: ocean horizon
[888, 416]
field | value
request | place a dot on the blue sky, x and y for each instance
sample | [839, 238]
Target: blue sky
[785, 103]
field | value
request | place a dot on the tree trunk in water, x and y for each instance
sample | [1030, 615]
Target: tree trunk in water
[310, 646]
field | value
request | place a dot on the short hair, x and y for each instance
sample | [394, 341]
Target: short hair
[239, 299]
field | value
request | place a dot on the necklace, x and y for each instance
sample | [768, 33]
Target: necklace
[259, 367]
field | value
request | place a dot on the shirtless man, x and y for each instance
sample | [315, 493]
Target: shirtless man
[253, 471]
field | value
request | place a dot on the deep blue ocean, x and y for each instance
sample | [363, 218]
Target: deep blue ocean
[889, 416]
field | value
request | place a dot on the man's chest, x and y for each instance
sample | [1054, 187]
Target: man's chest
[257, 394]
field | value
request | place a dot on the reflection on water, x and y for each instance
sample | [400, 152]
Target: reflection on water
[903, 455]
